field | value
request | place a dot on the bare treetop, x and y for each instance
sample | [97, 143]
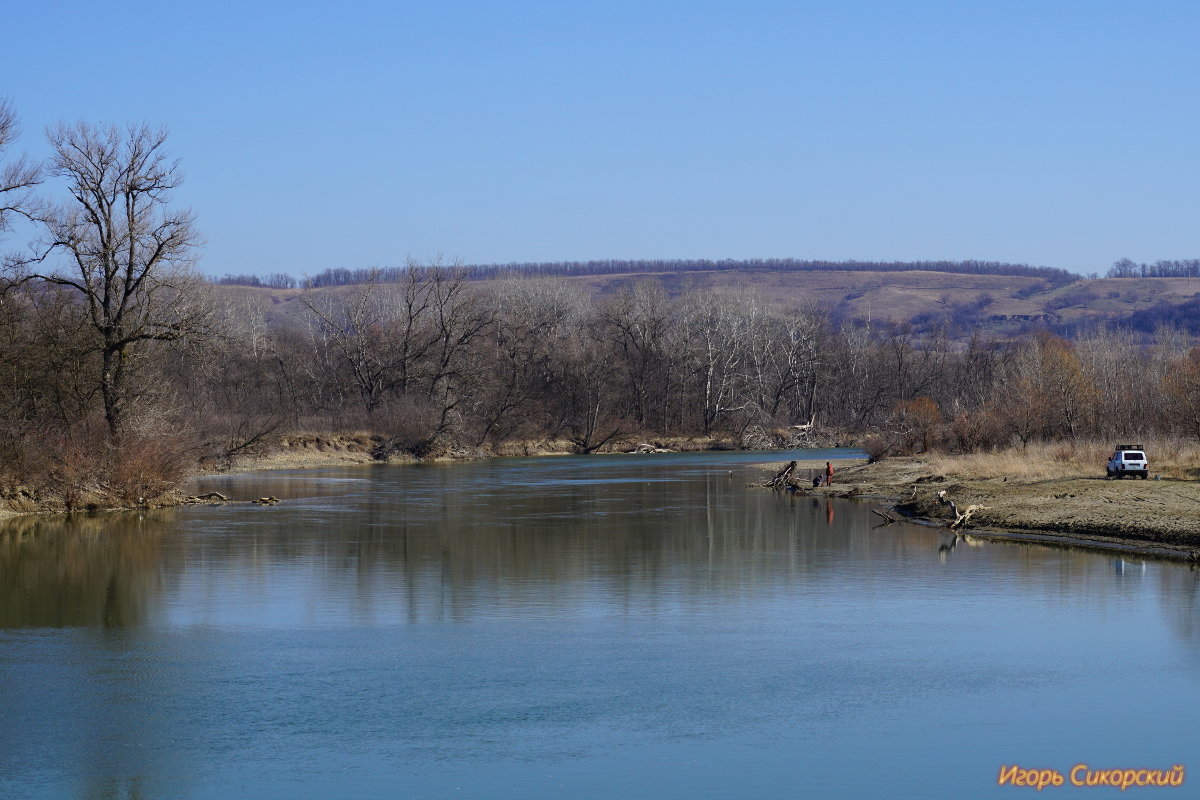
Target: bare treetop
[124, 244]
[120, 183]
[17, 178]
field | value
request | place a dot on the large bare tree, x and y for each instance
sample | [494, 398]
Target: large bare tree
[125, 251]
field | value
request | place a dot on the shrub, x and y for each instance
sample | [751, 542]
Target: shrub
[144, 468]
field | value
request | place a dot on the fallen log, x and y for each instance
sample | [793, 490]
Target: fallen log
[960, 517]
[206, 497]
[887, 515]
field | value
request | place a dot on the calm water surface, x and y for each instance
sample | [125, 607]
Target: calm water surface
[573, 627]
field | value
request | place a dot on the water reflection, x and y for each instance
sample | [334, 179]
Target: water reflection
[455, 542]
[1179, 594]
[81, 571]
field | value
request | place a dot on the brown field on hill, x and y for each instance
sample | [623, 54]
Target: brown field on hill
[885, 295]
[997, 304]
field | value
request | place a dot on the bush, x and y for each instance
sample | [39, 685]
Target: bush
[1071, 297]
[144, 468]
[1031, 290]
[879, 446]
[410, 426]
[982, 430]
[76, 469]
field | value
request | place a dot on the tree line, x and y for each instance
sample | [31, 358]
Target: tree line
[349, 277]
[274, 280]
[1054, 277]
[1177, 268]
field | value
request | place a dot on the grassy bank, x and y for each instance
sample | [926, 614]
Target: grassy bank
[1169, 458]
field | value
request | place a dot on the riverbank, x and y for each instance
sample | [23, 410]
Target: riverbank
[1042, 501]
[315, 451]
[334, 450]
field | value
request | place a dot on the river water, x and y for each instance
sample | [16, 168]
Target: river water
[573, 627]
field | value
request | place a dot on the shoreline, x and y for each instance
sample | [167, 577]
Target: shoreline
[312, 451]
[316, 452]
[1155, 518]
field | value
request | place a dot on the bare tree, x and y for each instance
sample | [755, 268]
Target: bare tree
[18, 177]
[638, 322]
[16, 181]
[719, 329]
[461, 318]
[533, 318]
[1181, 390]
[360, 329]
[582, 394]
[128, 255]
[784, 355]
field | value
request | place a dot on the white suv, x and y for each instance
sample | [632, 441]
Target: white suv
[1128, 459]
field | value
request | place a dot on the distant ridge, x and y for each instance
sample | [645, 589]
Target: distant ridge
[347, 277]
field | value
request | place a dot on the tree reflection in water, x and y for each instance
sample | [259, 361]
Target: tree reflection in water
[82, 570]
[444, 543]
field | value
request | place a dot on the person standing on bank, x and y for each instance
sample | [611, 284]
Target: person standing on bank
[828, 473]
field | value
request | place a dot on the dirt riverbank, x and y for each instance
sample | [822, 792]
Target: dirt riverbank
[1161, 516]
[313, 451]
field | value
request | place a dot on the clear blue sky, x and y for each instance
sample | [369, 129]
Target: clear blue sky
[355, 134]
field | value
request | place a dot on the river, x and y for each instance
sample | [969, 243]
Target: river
[579, 627]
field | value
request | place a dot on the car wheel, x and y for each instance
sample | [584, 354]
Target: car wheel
[1145, 475]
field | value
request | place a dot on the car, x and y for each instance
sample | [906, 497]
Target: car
[1128, 459]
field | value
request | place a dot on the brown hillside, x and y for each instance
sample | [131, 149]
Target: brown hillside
[994, 303]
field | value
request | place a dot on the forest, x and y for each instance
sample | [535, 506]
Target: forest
[123, 369]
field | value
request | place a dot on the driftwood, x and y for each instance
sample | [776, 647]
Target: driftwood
[960, 517]
[807, 427]
[217, 497]
[804, 435]
[782, 478]
[888, 516]
[207, 497]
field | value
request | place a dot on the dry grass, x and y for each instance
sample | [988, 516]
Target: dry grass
[1171, 458]
[1174, 458]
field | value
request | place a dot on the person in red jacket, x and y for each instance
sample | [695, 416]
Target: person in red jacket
[828, 473]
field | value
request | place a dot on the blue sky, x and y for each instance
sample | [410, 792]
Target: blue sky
[356, 134]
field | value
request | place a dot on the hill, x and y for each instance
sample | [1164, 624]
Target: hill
[998, 304]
